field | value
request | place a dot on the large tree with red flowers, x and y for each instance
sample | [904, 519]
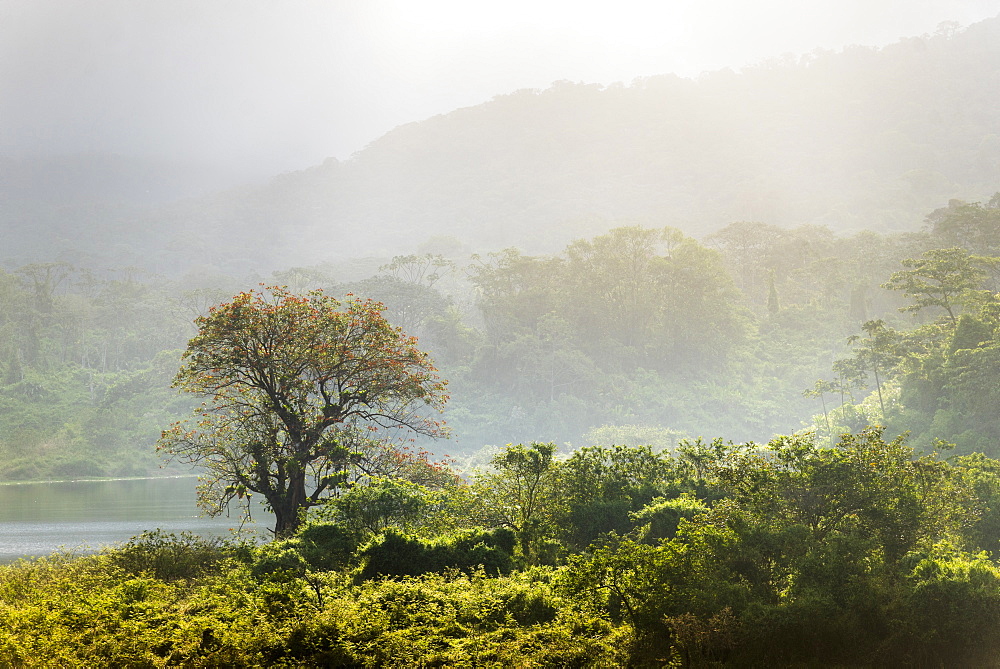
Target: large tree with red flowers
[297, 388]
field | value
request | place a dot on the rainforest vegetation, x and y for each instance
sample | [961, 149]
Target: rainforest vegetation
[614, 527]
[794, 553]
[716, 360]
[638, 336]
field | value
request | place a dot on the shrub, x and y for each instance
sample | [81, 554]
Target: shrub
[168, 556]
[395, 555]
[318, 547]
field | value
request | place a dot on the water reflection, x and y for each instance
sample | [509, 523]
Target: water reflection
[83, 516]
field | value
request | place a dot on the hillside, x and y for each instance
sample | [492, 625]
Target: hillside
[858, 139]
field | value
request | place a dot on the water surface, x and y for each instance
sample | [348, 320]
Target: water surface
[83, 516]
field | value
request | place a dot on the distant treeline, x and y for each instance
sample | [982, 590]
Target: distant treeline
[635, 336]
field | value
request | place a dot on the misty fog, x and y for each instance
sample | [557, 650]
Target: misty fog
[524, 334]
[666, 220]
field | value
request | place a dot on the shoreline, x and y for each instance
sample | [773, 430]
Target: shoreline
[101, 479]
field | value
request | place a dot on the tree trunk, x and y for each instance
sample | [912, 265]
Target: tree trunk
[288, 506]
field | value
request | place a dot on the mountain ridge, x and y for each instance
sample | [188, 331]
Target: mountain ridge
[860, 138]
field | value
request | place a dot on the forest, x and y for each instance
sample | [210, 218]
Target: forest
[715, 360]
[639, 336]
[767, 446]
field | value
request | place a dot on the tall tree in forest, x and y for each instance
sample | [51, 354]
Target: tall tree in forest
[877, 353]
[292, 386]
[521, 491]
[945, 278]
[975, 226]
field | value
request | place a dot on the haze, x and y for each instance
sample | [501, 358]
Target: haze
[259, 88]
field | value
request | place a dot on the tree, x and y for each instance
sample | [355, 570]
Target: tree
[945, 278]
[600, 487]
[819, 389]
[294, 385]
[649, 297]
[422, 270]
[747, 247]
[520, 492]
[410, 305]
[383, 503]
[878, 353]
[975, 226]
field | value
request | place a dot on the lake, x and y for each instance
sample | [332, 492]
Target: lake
[83, 516]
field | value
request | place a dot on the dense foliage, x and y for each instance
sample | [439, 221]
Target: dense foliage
[838, 543]
[716, 554]
[85, 365]
[639, 335]
[832, 545]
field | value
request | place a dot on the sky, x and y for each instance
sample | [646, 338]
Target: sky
[271, 86]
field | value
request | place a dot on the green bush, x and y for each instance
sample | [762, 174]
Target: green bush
[317, 547]
[278, 560]
[950, 613]
[168, 556]
[395, 555]
[327, 546]
[661, 517]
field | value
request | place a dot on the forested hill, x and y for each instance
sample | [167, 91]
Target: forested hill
[859, 139]
[855, 139]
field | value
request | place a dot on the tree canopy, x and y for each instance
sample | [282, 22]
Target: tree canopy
[296, 388]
